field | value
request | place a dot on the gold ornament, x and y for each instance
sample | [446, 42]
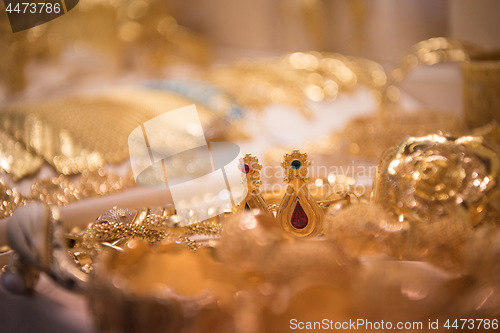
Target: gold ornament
[298, 213]
[250, 173]
[430, 177]
[112, 231]
[438, 188]
[61, 191]
[151, 224]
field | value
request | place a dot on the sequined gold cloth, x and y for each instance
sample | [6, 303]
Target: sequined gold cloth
[82, 133]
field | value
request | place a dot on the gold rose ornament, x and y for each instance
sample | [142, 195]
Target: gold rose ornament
[438, 189]
[432, 177]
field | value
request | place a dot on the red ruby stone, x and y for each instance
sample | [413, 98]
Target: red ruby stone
[246, 168]
[299, 218]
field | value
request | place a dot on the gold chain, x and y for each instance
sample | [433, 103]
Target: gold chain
[205, 228]
[152, 229]
[62, 191]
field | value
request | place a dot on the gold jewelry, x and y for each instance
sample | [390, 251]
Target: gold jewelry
[298, 212]
[117, 226]
[250, 172]
[62, 191]
[153, 225]
[427, 178]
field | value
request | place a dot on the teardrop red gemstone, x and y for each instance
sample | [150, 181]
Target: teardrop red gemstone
[299, 218]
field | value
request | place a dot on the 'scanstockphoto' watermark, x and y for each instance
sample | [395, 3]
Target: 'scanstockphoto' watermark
[358, 324]
[365, 324]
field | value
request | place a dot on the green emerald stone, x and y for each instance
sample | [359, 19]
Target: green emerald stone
[296, 164]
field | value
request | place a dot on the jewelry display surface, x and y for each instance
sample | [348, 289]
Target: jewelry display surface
[359, 100]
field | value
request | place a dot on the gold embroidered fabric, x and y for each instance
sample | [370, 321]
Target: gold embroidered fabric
[83, 132]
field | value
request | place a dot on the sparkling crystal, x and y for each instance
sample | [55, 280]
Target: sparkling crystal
[299, 218]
